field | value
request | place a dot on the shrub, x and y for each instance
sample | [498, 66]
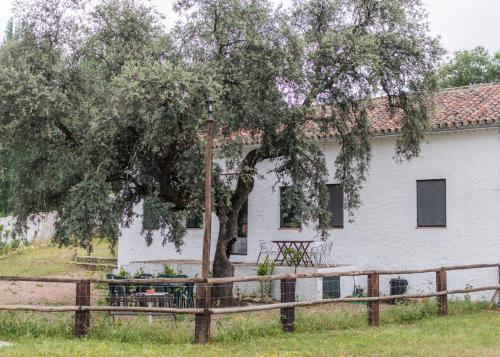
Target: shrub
[167, 269]
[265, 287]
[123, 273]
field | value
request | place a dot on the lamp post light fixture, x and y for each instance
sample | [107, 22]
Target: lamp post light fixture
[210, 106]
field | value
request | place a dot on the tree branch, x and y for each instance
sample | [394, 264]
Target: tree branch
[70, 136]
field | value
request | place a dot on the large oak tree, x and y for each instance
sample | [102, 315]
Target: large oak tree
[101, 108]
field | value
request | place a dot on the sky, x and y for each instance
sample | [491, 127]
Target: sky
[461, 24]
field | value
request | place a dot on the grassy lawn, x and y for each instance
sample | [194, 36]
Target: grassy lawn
[45, 259]
[411, 330]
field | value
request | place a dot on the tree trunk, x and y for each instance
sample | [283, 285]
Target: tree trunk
[222, 294]
[228, 230]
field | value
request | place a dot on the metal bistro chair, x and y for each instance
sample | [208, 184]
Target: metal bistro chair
[323, 250]
[183, 293]
[117, 294]
[163, 287]
[266, 249]
[142, 288]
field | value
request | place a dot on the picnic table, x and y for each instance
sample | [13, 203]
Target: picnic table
[301, 246]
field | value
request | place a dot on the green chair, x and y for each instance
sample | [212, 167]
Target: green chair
[183, 293]
[163, 287]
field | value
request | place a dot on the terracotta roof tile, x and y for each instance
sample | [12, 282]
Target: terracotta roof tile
[463, 107]
[477, 105]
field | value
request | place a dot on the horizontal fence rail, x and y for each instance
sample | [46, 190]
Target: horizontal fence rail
[69, 308]
[44, 279]
[242, 278]
[207, 301]
[345, 273]
[228, 310]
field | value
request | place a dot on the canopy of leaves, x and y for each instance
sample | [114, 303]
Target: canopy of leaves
[470, 67]
[101, 108]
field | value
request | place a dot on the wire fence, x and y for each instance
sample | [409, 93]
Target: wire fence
[203, 303]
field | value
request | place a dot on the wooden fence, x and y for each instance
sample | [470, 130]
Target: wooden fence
[204, 307]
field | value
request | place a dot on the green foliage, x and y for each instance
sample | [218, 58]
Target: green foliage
[9, 241]
[9, 30]
[469, 67]
[101, 108]
[408, 312]
[266, 287]
[139, 272]
[122, 273]
[338, 320]
[266, 267]
[167, 269]
[293, 257]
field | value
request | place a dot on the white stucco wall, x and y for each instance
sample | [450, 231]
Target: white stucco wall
[40, 228]
[384, 234]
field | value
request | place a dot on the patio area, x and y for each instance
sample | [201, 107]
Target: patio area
[307, 289]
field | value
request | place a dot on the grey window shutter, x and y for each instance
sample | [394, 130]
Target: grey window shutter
[336, 205]
[431, 203]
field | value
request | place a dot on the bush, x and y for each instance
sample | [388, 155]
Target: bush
[265, 287]
[123, 273]
[167, 269]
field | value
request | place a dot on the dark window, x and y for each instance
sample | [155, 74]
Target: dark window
[431, 203]
[243, 220]
[287, 215]
[240, 246]
[150, 219]
[336, 206]
[331, 287]
[194, 220]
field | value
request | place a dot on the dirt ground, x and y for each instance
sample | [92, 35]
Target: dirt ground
[36, 293]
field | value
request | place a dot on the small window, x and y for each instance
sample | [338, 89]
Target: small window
[287, 216]
[336, 206]
[150, 219]
[331, 287]
[241, 244]
[431, 203]
[243, 221]
[194, 220]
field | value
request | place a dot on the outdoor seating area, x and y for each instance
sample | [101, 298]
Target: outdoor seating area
[179, 295]
[297, 252]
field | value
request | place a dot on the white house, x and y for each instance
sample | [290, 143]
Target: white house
[442, 208]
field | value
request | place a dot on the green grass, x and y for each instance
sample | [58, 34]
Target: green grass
[407, 330]
[44, 259]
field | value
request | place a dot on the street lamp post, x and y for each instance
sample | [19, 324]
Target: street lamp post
[203, 291]
[208, 189]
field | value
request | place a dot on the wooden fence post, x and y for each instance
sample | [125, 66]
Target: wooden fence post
[373, 306]
[82, 318]
[441, 285]
[495, 299]
[287, 316]
[203, 320]
[497, 291]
